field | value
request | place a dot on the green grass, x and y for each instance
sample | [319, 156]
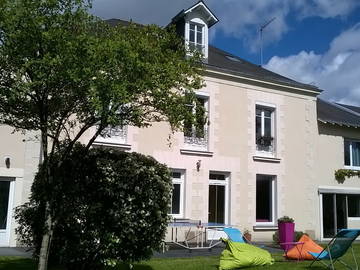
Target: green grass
[212, 263]
[195, 263]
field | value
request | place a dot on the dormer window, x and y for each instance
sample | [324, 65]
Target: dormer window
[196, 37]
[193, 25]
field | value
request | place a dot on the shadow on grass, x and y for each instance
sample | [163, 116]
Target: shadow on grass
[16, 263]
[136, 267]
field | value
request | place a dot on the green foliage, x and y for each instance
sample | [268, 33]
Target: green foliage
[64, 71]
[107, 206]
[342, 173]
[297, 236]
[57, 61]
[285, 219]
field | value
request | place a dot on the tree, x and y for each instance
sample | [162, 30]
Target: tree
[63, 71]
[110, 206]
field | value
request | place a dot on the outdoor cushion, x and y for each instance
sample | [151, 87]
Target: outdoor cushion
[309, 246]
[239, 255]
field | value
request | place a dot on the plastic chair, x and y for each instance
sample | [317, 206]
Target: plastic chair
[336, 248]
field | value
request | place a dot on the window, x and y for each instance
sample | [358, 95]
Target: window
[354, 205]
[115, 135]
[352, 153]
[177, 196]
[265, 199]
[218, 198]
[196, 34]
[264, 122]
[196, 132]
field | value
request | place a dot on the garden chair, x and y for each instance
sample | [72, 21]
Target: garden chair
[336, 248]
[235, 235]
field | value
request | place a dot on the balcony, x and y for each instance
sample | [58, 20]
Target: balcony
[197, 139]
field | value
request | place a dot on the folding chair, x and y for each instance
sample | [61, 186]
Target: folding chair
[235, 235]
[336, 248]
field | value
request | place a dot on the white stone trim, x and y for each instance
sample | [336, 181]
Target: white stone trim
[338, 190]
[11, 172]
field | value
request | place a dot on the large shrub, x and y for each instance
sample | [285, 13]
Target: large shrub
[108, 206]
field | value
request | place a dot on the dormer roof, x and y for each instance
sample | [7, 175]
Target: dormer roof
[201, 7]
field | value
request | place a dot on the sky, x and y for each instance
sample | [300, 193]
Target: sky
[312, 41]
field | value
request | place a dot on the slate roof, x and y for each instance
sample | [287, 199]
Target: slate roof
[352, 108]
[339, 114]
[115, 22]
[228, 63]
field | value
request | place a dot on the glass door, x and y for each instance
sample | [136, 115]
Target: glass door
[216, 204]
[341, 212]
[334, 214]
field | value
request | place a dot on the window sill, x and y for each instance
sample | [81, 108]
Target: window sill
[196, 152]
[113, 144]
[266, 158]
[352, 168]
[258, 227]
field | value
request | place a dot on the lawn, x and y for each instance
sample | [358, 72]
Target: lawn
[197, 263]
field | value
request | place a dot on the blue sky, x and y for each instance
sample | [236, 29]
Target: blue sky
[312, 41]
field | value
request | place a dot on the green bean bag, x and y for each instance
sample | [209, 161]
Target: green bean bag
[239, 255]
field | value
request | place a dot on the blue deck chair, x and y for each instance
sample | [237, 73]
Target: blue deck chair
[235, 235]
[336, 248]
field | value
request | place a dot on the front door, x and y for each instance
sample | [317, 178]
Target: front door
[6, 190]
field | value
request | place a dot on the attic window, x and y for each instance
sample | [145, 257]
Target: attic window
[196, 37]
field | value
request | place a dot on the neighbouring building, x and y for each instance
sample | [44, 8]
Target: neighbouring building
[265, 147]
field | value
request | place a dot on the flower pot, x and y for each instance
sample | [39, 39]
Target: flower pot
[286, 234]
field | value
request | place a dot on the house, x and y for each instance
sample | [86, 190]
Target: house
[263, 149]
[338, 147]
[264, 146]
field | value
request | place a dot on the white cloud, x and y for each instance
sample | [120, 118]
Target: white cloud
[337, 71]
[158, 12]
[242, 19]
[325, 8]
[238, 18]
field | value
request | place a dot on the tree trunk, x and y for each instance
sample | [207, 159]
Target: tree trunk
[46, 240]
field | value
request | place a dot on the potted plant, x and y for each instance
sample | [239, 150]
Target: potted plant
[247, 235]
[286, 227]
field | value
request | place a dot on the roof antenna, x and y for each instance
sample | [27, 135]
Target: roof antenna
[262, 27]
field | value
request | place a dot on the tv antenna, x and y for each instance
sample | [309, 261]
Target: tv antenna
[262, 27]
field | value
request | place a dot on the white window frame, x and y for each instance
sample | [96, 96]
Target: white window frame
[193, 142]
[227, 191]
[5, 233]
[351, 167]
[273, 202]
[272, 108]
[180, 181]
[196, 42]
